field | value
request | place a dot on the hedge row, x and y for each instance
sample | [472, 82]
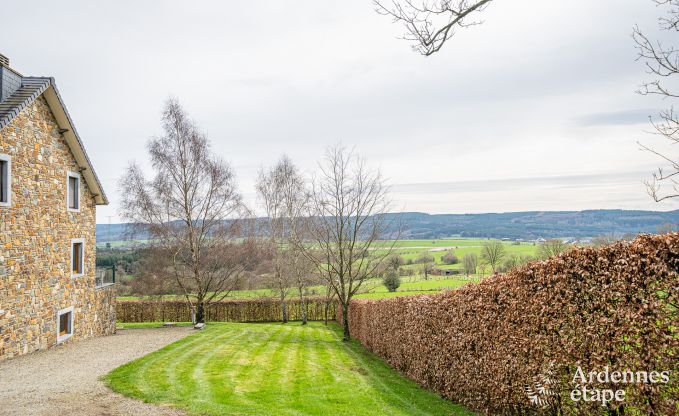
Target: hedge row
[247, 310]
[513, 343]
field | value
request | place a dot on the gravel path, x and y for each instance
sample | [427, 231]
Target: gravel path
[65, 380]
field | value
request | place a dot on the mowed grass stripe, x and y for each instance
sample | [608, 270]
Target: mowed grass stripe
[229, 358]
[259, 382]
[202, 374]
[265, 369]
[130, 379]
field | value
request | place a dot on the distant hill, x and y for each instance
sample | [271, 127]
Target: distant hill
[515, 225]
[535, 224]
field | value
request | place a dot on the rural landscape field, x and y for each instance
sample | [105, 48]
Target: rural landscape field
[415, 254]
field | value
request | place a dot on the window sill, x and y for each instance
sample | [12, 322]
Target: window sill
[64, 338]
[104, 286]
[75, 276]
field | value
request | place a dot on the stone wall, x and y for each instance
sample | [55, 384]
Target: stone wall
[35, 241]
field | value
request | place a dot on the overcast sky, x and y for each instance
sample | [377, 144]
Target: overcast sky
[533, 110]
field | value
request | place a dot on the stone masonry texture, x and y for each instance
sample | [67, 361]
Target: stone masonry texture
[35, 242]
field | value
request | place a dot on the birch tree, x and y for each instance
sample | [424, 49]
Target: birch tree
[283, 195]
[191, 211]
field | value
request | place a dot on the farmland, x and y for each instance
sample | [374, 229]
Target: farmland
[413, 281]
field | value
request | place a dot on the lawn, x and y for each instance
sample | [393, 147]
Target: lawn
[265, 369]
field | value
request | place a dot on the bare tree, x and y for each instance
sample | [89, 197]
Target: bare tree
[552, 247]
[427, 269]
[300, 269]
[284, 197]
[271, 187]
[328, 297]
[190, 209]
[493, 252]
[662, 64]
[295, 198]
[346, 215]
[470, 262]
[429, 24]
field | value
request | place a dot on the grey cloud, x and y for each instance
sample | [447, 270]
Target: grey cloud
[508, 184]
[616, 118]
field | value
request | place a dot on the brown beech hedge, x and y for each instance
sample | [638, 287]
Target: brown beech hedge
[247, 310]
[513, 343]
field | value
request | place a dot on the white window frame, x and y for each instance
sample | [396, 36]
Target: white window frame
[8, 159]
[62, 338]
[78, 178]
[82, 257]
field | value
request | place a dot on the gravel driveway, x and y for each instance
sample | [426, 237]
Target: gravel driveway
[65, 380]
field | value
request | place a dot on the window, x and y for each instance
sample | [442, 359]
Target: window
[64, 324]
[77, 257]
[5, 181]
[73, 191]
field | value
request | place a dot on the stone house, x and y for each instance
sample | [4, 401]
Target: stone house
[48, 197]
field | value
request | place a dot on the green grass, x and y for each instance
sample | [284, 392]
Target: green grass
[408, 250]
[265, 369]
[431, 286]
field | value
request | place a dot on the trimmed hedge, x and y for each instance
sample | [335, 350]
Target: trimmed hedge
[512, 343]
[246, 310]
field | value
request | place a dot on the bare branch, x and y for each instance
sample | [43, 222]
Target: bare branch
[429, 24]
[662, 63]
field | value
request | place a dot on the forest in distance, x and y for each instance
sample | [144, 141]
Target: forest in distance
[529, 225]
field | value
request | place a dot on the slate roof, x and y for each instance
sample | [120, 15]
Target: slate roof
[32, 88]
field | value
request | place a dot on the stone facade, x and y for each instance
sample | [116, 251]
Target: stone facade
[35, 241]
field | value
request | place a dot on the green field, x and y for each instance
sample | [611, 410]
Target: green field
[265, 369]
[410, 250]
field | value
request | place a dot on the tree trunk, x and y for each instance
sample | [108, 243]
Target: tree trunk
[284, 309]
[326, 307]
[345, 322]
[303, 305]
[200, 312]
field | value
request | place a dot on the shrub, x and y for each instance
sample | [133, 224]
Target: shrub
[482, 344]
[394, 261]
[392, 281]
[406, 272]
[450, 258]
[424, 257]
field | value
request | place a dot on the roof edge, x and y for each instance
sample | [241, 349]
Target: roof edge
[63, 118]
